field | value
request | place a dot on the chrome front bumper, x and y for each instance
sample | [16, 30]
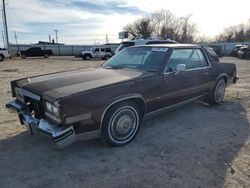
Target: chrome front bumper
[61, 136]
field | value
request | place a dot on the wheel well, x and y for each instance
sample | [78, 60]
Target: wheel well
[139, 101]
[225, 79]
[141, 104]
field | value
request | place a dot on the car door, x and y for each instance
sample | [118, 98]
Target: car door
[201, 69]
[29, 52]
[102, 53]
[34, 52]
[179, 86]
[97, 52]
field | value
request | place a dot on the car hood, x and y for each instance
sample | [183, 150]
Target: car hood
[58, 85]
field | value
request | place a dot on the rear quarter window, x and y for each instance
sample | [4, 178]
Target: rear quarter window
[211, 54]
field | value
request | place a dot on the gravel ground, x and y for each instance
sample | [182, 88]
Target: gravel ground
[194, 146]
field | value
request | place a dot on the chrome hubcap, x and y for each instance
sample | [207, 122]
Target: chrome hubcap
[123, 124]
[220, 91]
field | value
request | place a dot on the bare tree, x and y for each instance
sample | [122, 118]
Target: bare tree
[235, 33]
[140, 28]
[163, 24]
[188, 30]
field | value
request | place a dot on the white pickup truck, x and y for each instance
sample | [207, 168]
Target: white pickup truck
[97, 52]
[3, 53]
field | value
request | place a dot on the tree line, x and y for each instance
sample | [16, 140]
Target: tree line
[235, 33]
[164, 24]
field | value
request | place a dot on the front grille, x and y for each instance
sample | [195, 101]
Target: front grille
[36, 107]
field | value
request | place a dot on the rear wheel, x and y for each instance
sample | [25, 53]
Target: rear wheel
[87, 57]
[217, 95]
[23, 56]
[1, 57]
[121, 124]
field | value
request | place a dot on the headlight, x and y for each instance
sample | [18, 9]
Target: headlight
[19, 94]
[48, 107]
[55, 110]
[52, 109]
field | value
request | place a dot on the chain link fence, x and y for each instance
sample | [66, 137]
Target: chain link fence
[60, 50]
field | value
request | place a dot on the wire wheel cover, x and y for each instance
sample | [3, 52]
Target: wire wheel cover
[123, 123]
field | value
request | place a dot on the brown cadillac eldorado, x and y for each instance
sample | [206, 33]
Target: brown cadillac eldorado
[110, 102]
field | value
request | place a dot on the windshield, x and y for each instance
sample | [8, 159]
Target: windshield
[143, 58]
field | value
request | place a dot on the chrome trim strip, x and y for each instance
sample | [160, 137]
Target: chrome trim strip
[119, 100]
[156, 112]
[78, 118]
[187, 70]
[31, 95]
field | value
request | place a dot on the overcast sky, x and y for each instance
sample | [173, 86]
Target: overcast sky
[83, 21]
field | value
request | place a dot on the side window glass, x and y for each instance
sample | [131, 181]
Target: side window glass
[179, 56]
[97, 50]
[192, 58]
[202, 62]
[102, 50]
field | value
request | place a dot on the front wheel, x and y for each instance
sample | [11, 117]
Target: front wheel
[46, 55]
[121, 124]
[217, 95]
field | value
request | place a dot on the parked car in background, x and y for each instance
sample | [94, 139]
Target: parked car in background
[244, 52]
[211, 53]
[35, 52]
[217, 49]
[3, 53]
[97, 52]
[110, 102]
[136, 42]
[234, 52]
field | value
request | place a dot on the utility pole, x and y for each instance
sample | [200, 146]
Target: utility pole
[56, 30]
[5, 26]
[49, 39]
[15, 37]
[107, 39]
[3, 38]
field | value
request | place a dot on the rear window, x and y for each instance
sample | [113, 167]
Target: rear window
[124, 45]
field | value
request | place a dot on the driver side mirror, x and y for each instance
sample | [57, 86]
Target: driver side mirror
[181, 67]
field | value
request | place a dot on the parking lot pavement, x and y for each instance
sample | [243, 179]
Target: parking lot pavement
[194, 146]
